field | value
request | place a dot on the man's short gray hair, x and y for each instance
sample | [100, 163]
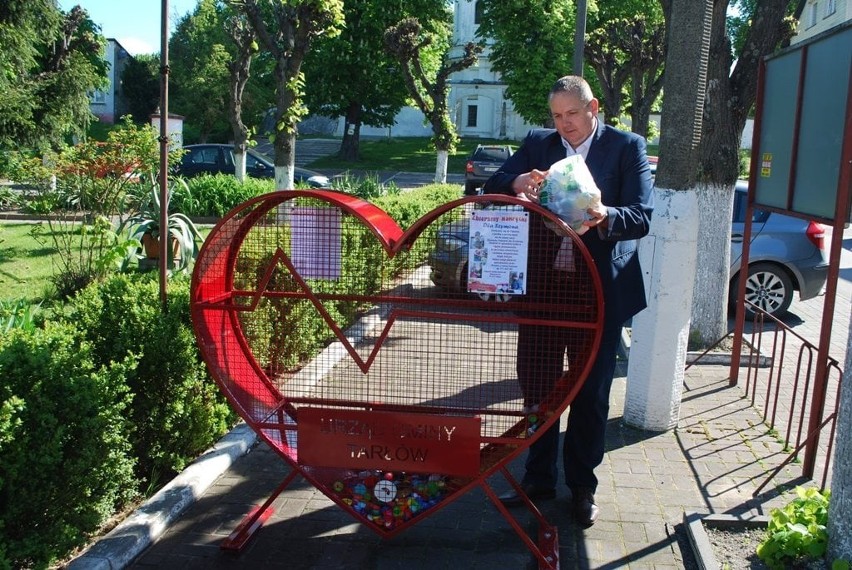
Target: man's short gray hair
[572, 85]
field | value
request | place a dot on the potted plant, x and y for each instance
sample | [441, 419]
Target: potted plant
[144, 225]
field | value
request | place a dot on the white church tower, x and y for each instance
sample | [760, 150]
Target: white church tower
[477, 100]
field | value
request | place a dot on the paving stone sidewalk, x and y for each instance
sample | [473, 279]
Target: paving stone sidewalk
[719, 453]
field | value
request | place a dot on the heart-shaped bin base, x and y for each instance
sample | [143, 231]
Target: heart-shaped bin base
[317, 317]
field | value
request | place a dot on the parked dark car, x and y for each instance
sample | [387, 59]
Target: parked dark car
[219, 159]
[482, 163]
[787, 254]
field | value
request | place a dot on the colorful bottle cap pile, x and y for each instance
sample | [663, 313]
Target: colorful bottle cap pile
[388, 499]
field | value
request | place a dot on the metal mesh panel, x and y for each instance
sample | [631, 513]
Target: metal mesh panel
[319, 301]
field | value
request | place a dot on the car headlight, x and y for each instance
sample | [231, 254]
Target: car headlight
[449, 243]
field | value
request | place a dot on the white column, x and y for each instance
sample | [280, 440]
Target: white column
[660, 333]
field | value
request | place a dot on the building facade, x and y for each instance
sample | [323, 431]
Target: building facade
[478, 99]
[109, 103]
[821, 15]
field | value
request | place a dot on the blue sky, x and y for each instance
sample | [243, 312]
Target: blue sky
[135, 24]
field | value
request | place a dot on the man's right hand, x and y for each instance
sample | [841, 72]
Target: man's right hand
[527, 185]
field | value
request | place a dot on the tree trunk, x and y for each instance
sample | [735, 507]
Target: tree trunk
[709, 316]
[639, 119]
[612, 98]
[730, 97]
[240, 164]
[285, 134]
[239, 74]
[840, 504]
[669, 253]
[351, 133]
[441, 167]
[443, 129]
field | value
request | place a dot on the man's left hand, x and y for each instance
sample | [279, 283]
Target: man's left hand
[598, 216]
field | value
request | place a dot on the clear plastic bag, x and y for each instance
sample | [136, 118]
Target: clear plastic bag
[569, 190]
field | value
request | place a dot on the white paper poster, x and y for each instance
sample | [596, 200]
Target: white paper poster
[315, 243]
[497, 252]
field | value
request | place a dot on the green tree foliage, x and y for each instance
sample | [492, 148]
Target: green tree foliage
[533, 47]
[379, 92]
[49, 62]
[408, 41]
[198, 61]
[141, 85]
[626, 47]
[286, 29]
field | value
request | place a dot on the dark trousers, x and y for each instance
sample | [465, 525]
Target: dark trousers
[541, 357]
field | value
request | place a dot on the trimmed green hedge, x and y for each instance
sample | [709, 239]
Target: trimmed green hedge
[176, 411]
[216, 195]
[65, 457]
[102, 405]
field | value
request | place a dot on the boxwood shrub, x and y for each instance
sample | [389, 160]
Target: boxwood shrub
[65, 458]
[176, 410]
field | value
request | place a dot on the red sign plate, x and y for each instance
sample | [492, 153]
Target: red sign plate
[389, 441]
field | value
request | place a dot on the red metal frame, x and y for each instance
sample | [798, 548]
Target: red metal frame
[218, 304]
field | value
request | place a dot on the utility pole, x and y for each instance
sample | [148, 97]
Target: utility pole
[164, 151]
[580, 38]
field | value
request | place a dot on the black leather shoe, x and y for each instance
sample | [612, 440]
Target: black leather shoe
[584, 507]
[534, 492]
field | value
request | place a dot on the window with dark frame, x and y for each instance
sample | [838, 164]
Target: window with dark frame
[478, 10]
[471, 115]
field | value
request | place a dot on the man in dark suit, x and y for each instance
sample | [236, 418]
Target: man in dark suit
[619, 165]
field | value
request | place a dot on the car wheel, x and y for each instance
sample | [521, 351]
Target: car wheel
[768, 287]
[470, 188]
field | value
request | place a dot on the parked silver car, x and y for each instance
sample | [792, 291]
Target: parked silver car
[787, 254]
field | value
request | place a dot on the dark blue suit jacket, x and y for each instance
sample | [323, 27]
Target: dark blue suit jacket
[619, 165]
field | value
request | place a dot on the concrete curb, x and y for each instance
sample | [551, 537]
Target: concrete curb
[700, 543]
[147, 523]
[720, 358]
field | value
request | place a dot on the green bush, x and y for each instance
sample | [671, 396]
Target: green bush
[216, 195]
[408, 207]
[177, 411]
[65, 462]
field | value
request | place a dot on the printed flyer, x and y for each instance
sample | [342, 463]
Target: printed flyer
[497, 251]
[315, 244]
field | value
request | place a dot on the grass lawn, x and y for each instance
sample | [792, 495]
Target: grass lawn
[25, 265]
[407, 154]
[411, 154]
